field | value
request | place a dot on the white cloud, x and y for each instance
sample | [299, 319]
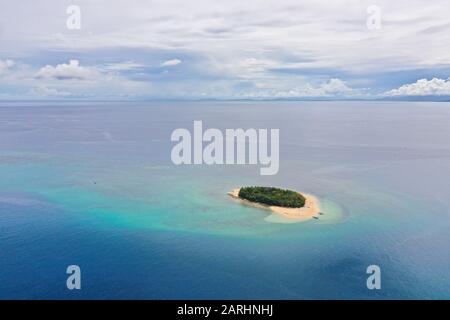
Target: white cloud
[73, 80]
[171, 63]
[423, 87]
[71, 71]
[5, 65]
[335, 86]
[122, 66]
[324, 31]
[274, 48]
[331, 88]
[43, 91]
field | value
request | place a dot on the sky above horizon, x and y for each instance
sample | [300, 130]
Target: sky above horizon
[172, 49]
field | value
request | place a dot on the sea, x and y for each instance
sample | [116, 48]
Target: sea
[92, 184]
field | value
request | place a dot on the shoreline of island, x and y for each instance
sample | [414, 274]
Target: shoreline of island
[310, 210]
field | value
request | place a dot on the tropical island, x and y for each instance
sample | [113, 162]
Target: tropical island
[287, 203]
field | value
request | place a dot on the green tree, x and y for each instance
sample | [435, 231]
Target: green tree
[273, 196]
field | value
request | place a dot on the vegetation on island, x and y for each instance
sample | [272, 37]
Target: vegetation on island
[273, 196]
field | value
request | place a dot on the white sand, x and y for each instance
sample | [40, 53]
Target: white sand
[308, 211]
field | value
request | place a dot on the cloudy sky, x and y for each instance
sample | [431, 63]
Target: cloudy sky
[233, 49]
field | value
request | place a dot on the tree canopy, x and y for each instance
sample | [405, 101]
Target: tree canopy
[273, 196]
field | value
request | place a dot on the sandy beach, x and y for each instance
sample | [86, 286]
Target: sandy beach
[310, 210]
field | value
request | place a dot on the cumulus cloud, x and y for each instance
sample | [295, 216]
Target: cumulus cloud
[171, 63]
[5, 65]
[70, 71]
[423, 87]
[331, 88]
[335, 86]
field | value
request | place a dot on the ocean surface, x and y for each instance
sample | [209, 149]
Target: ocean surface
[92, 184]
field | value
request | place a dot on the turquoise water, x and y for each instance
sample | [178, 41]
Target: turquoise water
[92, 184]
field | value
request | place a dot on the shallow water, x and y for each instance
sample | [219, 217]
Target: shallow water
[92, 184]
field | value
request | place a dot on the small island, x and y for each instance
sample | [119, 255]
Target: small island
[287, 203]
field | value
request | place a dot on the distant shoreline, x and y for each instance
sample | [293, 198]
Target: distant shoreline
[310, 210]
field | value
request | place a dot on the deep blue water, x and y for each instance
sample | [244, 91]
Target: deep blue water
[92, 184]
